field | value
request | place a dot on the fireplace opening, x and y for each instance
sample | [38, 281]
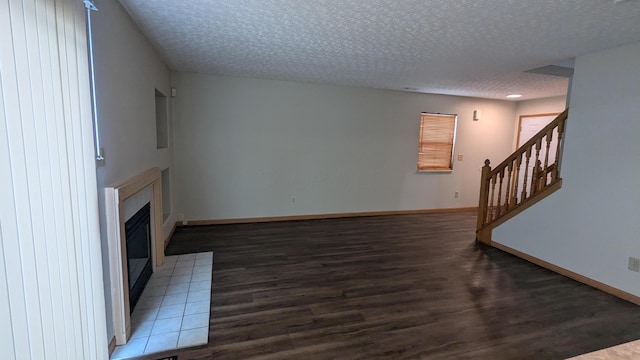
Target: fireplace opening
[138, 241]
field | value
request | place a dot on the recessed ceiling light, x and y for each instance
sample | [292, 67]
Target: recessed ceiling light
[513, 96]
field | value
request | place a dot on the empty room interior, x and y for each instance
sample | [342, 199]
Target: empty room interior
[320, 179]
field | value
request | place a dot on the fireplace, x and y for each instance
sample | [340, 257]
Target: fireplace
[138, 242]
[122, 201]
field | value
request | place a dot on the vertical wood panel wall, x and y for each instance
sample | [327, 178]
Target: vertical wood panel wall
[51, 286]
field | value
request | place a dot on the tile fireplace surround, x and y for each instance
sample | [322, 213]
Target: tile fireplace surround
[173, 311]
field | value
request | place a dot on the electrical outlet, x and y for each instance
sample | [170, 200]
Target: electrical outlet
[634, 264]
[460, 157]
[180, 216]
[456, 194]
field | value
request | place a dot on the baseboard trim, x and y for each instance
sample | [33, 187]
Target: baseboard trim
[112, 346]
[319, 216]
[570, 274]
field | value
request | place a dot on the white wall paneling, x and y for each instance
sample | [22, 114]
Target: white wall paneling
[51, 289]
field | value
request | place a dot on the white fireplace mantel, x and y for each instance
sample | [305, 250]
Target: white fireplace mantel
[115, 197]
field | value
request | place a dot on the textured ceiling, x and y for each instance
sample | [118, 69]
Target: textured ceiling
[474, 48]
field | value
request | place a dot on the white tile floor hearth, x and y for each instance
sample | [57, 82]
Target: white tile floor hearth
[173, 311]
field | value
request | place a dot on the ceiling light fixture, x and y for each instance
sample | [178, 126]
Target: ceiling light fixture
[513, 96]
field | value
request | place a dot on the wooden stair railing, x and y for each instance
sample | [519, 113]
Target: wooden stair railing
[522, 179]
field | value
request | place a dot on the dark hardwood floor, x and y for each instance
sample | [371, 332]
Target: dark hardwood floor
[391, 287]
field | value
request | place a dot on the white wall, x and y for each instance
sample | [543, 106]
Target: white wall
[592, 225]
[128, 70]
[555, 104]
[244, 147]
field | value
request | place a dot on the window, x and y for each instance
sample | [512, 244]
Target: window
[437, 139]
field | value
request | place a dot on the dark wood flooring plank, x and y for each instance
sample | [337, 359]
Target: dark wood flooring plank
[391, 287]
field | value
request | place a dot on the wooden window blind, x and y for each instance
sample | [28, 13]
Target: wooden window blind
[437, 139]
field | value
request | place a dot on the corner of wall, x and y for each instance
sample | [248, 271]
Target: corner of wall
[128, 70]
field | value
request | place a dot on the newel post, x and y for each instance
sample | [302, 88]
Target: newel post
[483, 233]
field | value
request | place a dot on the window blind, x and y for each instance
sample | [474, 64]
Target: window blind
[437, 138]
[51, 283]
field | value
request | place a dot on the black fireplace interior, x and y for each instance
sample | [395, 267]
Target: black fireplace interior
[138, 239]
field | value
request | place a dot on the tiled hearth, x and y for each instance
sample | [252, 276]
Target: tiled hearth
[173, 311]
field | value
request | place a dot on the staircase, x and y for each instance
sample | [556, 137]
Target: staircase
[527, 176]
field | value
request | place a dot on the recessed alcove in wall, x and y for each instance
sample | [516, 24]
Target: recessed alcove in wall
[166, 194]
[162, 126]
